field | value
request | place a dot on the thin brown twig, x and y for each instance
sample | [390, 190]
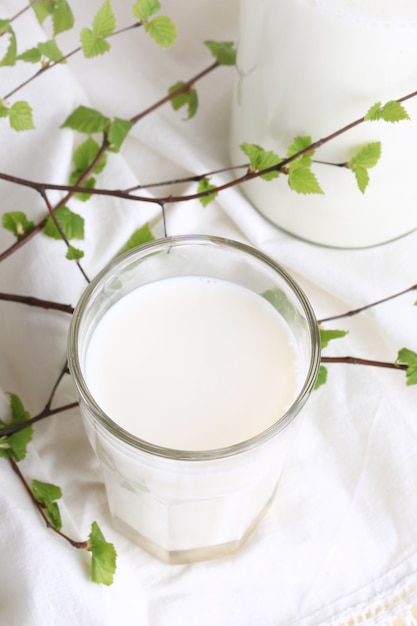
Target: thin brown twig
[351, 360]
[37, 302]
[82, 545]
[9, 430]
[367, 306]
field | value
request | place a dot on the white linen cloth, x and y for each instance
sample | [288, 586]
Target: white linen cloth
[339, 545]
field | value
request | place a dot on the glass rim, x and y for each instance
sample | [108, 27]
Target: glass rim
[142, 445]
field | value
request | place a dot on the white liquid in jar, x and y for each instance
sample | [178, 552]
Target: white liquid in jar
[192, 363]
[309, 68]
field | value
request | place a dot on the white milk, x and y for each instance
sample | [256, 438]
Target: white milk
[192, 363]
[310, 67]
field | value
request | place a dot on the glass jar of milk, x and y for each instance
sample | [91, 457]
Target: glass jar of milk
[309, 68]
[192, 357]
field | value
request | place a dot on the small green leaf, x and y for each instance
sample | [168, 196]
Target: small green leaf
[328, 335]
[89, 183]
[92, 45]
[32, 55]
[162, 30]
[367, 157]
[85, 155]
[74, 254]
[15, 445]
[322, 377]
[362, 177]
[261, 159]
[51, 51]
[118, 131]
[144, 9]
[204, 186]
[58, 10]
[392, 111]
[46, 494]
[20, 116]
[140, 236]
[187, 98]
[17, 223]
[223, 51]
[86, 120]
[71, 223]
[299, 144]
[104, 22]
[4, 109]
[43, 9]
[409, 358]
[104, 557]
[10, 55]
[302, 180]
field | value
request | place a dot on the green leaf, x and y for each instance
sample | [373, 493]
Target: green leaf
[223, 51]
[140, 236]
[104, 22]
[187, 98]
[362, 178]
[74, 254]
[15, 445]
[62, 17]
[4, 109]
[144, 9]
[302, 180]
[20, 116]
[32, 55]
[89, 183]
[43, 9]
[261, 159]
[71, 223]
[86, 120]
[328, 335]
[322, 377]
[46, 494]
[83, 158]
[392, 111]
[409, 358]
[92, 45]
[203, 186]
[51, 51]
[367, 157]
[93, 40]
[58, 10]
[162, 30]
[17, 223]
[299, 144]
[10, 55]
[104, 557]
[85, 155]
[118, 131]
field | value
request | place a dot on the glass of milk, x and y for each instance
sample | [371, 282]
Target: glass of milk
[309, 68]
[192, 357]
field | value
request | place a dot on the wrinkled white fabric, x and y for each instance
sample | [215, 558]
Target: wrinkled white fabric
[339, 545]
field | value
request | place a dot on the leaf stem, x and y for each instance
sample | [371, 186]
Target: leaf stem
[37, 302]
[82, 545]
[368, 306]
[9, 430]
[351, 360]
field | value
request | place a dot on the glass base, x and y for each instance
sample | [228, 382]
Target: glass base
[203, 553]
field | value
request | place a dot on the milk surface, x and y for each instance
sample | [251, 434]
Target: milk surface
[192, 363]
[309, 68]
